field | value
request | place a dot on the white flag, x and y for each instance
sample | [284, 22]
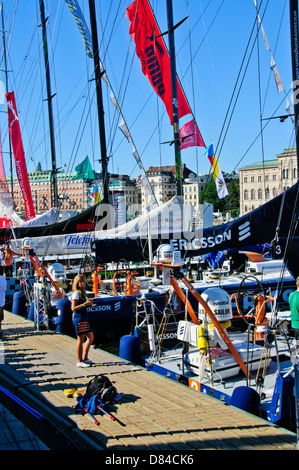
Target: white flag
[276, 75]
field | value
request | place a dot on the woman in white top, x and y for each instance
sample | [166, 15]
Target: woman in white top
[80, 321]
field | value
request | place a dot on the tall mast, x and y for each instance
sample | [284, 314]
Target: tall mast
[293, 4]
[97, 70]
[49, 99]
[175, 108]
[6, 83]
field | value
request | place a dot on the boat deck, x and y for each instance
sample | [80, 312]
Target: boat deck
[154, 413]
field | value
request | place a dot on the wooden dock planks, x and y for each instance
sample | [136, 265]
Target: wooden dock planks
[154, 413]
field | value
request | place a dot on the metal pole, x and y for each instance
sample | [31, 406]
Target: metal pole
[293, 4]
[97, 70]
[49, 99]
[175, 108]
[6, 82]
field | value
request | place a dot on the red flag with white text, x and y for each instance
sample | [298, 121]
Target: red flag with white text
[20, 163]
[153, 55]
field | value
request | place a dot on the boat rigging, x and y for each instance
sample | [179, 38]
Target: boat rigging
[49, 100]
[98, 74]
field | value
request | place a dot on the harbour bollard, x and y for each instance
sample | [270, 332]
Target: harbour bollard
[247, 399]
[31, 311]
[19, 304]
[129, 349]
[64, 322]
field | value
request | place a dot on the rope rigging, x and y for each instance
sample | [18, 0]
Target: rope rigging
[112, 20]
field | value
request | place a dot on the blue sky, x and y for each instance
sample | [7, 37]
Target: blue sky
[219, 35]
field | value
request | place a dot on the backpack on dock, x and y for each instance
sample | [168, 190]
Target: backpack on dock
[101, 386]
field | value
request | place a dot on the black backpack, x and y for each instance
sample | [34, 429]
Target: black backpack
[101, 386]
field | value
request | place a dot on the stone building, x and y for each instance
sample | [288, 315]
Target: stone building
[73, 195]
[262, 181]
[163, 182]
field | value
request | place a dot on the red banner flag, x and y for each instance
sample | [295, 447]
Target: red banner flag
[17, 145]
[153, 55]
[190, 136]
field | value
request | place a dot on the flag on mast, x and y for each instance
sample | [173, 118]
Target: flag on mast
[19, 156]
[153, 54]
[96, 194]
[84, 170]
[217, 173]
[79, 18]
[190, 135]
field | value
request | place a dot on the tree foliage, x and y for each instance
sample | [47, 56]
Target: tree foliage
[230, 203]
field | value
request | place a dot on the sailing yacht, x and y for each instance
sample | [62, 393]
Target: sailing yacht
[256, 371]
[117, 311]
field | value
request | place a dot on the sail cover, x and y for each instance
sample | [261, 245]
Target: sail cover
[58, 237]
[154, 57]
[75, 236]
[269, 222]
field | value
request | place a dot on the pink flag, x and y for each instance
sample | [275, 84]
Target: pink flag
[190, 136]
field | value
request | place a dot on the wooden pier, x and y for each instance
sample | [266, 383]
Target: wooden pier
[154, 413]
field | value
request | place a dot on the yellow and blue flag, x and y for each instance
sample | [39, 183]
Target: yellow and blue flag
[217, 173]
[96, 194]
[79, 18]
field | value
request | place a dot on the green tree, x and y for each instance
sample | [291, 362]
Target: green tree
[209, 194]
[230, 203]
[233, 198]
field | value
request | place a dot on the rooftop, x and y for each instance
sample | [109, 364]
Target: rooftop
[264, 164]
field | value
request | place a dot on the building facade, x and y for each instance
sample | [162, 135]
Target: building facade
[163, 182]
[263, 181]
[73, 195]
[287, 167]
[76, 195]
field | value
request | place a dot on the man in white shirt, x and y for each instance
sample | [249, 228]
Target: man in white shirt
[3, 285]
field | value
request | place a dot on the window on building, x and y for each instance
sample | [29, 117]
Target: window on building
[245, 195]
[252, 194]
